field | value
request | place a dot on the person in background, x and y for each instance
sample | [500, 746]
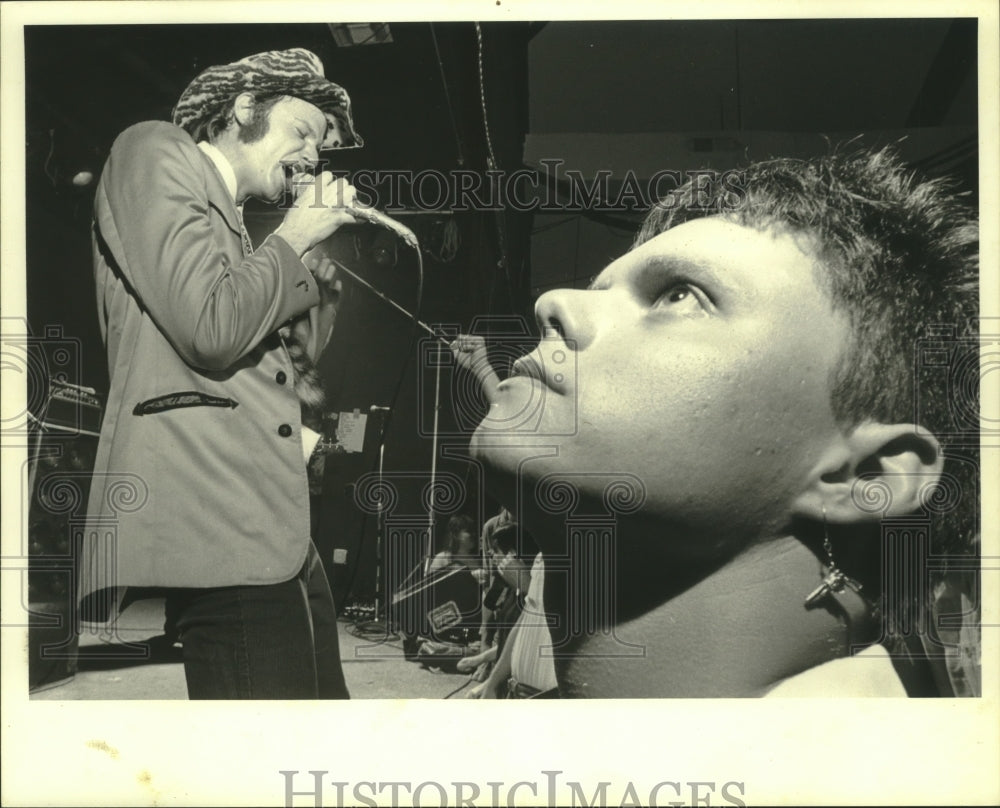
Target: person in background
[524, 667]
[503, 598]
[461, 547]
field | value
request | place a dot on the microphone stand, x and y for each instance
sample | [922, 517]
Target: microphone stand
[376, 625]
[433, 489]
[380, 525]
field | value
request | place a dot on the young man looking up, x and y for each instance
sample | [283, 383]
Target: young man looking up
[695, 440]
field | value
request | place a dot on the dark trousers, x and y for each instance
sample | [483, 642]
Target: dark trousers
[277, 641]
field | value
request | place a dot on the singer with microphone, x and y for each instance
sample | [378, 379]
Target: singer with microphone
[211, 342]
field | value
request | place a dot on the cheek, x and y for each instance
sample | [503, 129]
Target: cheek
[711, 435]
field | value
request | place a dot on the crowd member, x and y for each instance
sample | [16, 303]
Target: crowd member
[524, 666]
[748, 375]
[210, 341]
[461, 548]
[503, 599]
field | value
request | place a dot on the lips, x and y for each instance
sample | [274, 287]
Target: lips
[529, 367]
[532, 367]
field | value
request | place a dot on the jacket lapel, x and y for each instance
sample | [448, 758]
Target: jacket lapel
[218, 195]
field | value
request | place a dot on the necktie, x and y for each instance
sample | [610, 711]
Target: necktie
[247, 243]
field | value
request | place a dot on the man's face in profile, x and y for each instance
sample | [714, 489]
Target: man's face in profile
[290, 136]
[703, 364]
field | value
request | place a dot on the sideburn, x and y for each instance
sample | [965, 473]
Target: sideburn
[260, 123]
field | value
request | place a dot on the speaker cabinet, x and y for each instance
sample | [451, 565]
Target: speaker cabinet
[63, 439]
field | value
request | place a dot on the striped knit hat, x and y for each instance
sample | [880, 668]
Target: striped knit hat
[296, 72]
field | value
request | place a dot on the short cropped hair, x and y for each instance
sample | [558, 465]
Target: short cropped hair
[899, 255]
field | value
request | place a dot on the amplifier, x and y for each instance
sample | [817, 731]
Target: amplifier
[444, 606]
[70, 409]
[64, 432]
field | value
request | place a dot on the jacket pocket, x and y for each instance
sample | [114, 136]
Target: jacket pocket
[176, 401]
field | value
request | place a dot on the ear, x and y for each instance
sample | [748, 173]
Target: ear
[874, 471]
[243, 108]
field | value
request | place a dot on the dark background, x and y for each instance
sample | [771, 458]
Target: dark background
[622, 96]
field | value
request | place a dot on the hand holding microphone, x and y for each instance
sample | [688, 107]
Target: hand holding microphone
[322, 205]
[341, 196]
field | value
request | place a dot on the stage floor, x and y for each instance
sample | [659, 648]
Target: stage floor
[374, 665]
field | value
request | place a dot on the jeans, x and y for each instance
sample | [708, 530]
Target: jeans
[275, 641]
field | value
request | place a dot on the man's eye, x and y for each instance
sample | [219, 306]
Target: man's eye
[678, 293]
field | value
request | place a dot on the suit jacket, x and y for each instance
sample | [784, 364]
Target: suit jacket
[199, 478]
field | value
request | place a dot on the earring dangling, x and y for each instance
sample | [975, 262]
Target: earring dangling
[835, 580]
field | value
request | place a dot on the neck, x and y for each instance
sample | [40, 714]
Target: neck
[229, 144]
[737, 631]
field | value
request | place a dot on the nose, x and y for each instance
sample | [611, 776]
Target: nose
[570, 313]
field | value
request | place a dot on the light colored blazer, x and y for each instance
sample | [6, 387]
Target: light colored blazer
[199, 478]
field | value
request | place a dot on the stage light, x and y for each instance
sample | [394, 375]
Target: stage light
[348, 34]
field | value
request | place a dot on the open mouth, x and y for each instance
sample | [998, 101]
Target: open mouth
[297, 177]
[301, 170]
[299, 167]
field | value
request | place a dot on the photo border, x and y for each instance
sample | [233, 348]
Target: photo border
[808, 751]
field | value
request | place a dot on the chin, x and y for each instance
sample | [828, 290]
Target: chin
[511, 464]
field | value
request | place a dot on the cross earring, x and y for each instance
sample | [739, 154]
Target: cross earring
[835, 580]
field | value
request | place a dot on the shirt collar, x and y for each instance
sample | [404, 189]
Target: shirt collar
[222, 164]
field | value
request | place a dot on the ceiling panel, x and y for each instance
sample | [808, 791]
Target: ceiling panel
[773, 75]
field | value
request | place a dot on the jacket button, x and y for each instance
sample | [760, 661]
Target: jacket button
[280, 377]
[284, 430]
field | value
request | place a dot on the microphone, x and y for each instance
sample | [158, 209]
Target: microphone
[369, 215]
[377, 217]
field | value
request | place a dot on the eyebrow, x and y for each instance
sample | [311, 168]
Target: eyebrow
[672, 264]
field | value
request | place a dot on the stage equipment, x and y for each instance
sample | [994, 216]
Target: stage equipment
[443, 606]
[63, 444]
